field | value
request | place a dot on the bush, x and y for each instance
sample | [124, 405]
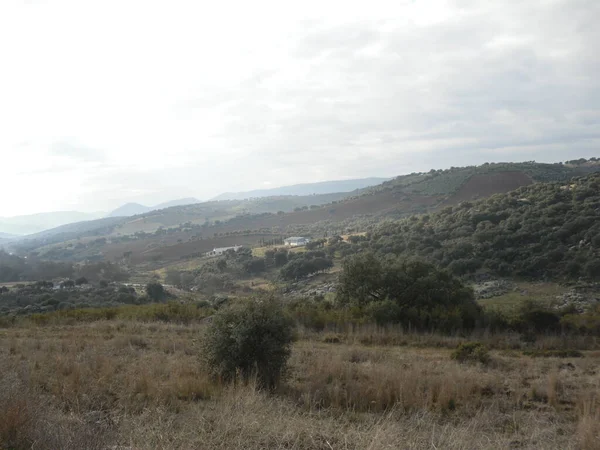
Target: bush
[155, 291]
[249, 339]
[471, 352]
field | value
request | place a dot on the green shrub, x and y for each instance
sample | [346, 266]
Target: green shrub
[249, 339]
[156, 291]
[471, 352]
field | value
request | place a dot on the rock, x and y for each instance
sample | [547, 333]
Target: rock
[492, 288]
[582, 297]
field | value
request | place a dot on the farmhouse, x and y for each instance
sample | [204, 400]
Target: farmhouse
[296, 241]
[218, 251]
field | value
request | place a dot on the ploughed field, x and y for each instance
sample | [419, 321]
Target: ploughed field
[481, 186]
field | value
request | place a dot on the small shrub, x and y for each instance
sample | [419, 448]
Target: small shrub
[471, 352]
[249, 339]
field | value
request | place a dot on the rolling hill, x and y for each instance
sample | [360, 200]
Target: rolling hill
[130, 209]
[548, 231]
[325, 187]
[184, 231]
[135, 209]
[34, 223]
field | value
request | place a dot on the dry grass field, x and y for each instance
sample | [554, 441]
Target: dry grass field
[133, 385]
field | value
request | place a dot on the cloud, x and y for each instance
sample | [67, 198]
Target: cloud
[77, 152]
[220, 102]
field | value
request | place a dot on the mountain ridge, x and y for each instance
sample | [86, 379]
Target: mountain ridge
[322, 187]
[35, 223]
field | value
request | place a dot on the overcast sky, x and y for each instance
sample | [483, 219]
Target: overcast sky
[105, 102]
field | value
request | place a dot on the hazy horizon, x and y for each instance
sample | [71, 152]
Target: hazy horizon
[116, 102]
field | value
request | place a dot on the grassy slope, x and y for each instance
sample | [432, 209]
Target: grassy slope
[143, 386]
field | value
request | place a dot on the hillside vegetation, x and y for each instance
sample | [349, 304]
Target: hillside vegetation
[543, 231]
[187, 231]
[448, 181]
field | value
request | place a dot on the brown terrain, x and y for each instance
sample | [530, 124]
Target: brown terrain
[481, 186]
[251, 229]
[187, 244]
[129, 384]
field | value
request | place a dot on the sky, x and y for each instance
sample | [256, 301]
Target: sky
[112, 101]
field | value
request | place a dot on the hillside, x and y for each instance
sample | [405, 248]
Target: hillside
[177, 202]
[34, 223]
[135, 209]
[325, 187]
[185, 231]
[449, 181]
[543, 231]
[130, 209]
[64, 233]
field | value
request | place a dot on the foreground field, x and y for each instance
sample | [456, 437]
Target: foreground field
[143, 386]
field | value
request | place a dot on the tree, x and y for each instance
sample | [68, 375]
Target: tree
[361, 280]
[426, 297]
[249, 338]
[335, 239]
[255, 265]
[222, 265]
[81, 280]
[155, 291]
[592, 269]
[281, 258]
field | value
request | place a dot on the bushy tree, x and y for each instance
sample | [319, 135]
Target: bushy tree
[424, 296]
[155, 291]
[249, 339]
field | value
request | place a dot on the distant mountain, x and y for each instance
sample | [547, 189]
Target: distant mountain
[34, 223]
[78, 230]
[324, 187]
[134, 209]
[178, 202]
[7, 236]
[130, 209]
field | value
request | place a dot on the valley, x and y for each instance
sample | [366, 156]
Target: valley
[422, 309]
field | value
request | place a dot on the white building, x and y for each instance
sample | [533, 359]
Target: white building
[218, 251]
[296, 241]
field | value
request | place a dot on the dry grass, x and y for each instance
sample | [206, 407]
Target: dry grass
[143, 386]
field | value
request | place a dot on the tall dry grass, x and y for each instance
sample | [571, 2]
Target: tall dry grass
[143, 386]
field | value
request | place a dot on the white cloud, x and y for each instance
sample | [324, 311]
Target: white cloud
[108, 102]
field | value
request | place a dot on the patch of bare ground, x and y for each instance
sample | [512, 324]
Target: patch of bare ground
[121, 384]
[481, 186]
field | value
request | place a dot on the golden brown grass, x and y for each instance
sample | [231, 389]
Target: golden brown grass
[143, 386]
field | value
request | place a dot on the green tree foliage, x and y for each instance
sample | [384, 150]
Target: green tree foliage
[413, 293]
[250, 339]
[81, 281]
[255, 266]
[316, 243]
[41, 297]
[544, 231]
[304, 264]
[156, 291]
[280, 258]
[15, 268]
